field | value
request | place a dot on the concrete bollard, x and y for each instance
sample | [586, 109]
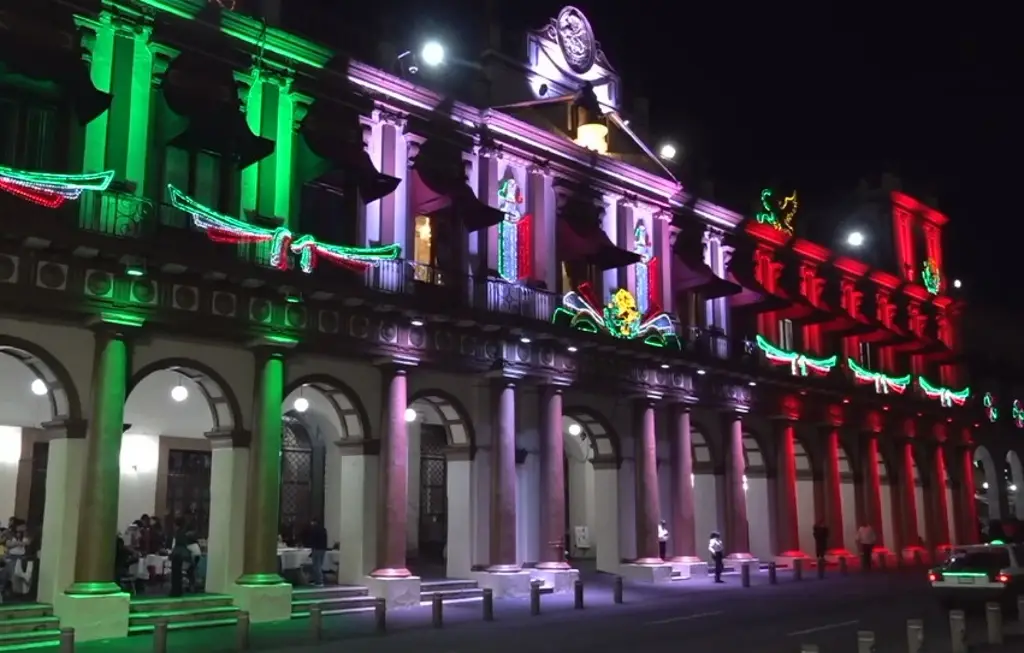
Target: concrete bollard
[821, 568]
[488, 604]
[380, 615]
[242, 632]
[316, 622]
[67, 640]
[437, 611]
[773, 577]
[844, 566]
[883, 561]
[1020, 608]
[915, 635]
[918, 559]
[577, 588]
[160, 636]
[798, 569]
[994, 622]
[957, 631]
[865, 641]
[809, 648]
[617, 590]
[535, 597]
[745, 574]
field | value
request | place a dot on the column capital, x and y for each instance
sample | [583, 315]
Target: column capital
[394, 364]
[115, 324]
[272, 344]
[229, 439]
[68, 428]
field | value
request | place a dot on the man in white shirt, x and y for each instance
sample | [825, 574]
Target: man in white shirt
[716, 547]
[663, 538]
[866, 539]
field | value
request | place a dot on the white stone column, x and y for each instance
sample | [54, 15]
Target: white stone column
[229, 476]
[540, 202]
[459, 560]
[357, 467]
[606, 519]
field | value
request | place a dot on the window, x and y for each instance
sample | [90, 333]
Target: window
[329, 213]
[204, 176]
[188, 488]
[786, 340]
[867, 358]
[978, 559]
[574, 274]
[695, 310]
[30, 135]
[423, 255]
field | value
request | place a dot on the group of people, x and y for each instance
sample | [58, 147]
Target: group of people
[146, 536]
[17, 554]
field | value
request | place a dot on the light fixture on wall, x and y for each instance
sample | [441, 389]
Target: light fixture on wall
[179, 393]
[39, 388]
[301, 404]
[410, 415]
[575, 429]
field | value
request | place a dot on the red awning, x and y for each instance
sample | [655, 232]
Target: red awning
[437, 198]
[691, 274]
[581, 238]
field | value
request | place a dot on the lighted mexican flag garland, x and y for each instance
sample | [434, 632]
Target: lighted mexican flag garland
[931, 277]
[946, 397]
[49, 189]
[800, 364]
[991, 409]
[221, 228]
[1018, 414]
[884, 384]
[620, 317]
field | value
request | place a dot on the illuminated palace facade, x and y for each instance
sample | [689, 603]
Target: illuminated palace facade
[486, 334]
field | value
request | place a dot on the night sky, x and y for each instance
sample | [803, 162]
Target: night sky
[812, 101]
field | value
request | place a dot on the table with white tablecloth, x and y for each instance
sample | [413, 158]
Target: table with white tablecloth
[295, 558]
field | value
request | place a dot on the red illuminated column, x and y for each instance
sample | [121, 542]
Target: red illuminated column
[939, 522]
[503, 482]
[648, 512]
[737, 532]
[394, 481]
[834, 492]
[966, 500]
[789, 521]
[873, 490]
[911, 538]
[683, 538]
[552, 481]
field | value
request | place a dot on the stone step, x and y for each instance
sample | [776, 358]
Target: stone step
[143, 622]
[29, 624]
[446, 585]
[188, 602]
[24, 611]
[331, 592]
[330, 605]
[32, 639]
[453, 594]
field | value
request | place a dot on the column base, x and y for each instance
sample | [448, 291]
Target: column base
[915, 554]
[504, 584]
[264, 602]
[882, 556]
[93, 616]
[735, 562]
[687, 566]
[559, 580]
[660, 572]
[833, 556]
[397, 591]
[786, 558]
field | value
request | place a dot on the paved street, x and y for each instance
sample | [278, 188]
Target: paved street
[696, 616]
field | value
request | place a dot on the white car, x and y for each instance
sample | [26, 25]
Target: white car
[979, 573]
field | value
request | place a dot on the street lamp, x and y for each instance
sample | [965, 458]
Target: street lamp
[667, 151]
[432, 54]
[957, 284]
[855, 239]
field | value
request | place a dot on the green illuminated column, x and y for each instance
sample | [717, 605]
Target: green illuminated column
[270, 113]
[97, 520]
[261, 519]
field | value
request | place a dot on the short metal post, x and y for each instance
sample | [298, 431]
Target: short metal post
[994, 622]
[957, 632]
[918, 560]
[772, 574]
[809, 648]
[437, 611]
[798, 569]
[617, 590]
[535, 597]
[242, 631]
[821, 568]
[844, 566]
[915, 635]
[316, 622]
[380, 615]
[160, 636]
[67, 640]
[745, 574]
[488, 604]
[578, 596]
[900, 562]
[883, 560]
[865, 641]
[1020, 608]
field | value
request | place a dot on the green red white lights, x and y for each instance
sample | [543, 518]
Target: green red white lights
[514, 240]
[800, 364]
[991, 409]
[931, 277]
[51, 190]
[946, 396]
[1018, 414]
[619, 318]
[884, 384]
[778, 213]
[221, 228]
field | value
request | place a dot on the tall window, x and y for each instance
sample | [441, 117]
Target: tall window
[188, 488]
[423, 251]
[329, 213]
[433, 527]
[575, 274]
[204, 176]
[29, 133]
[786, 339]
[867, 356]
[695, 310]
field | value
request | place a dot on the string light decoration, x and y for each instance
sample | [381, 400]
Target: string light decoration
[884, 384]
[51, 190]
[225, 4]
[514, 234]
[646, 271]
[799, 364]
[991, 409]
[930, 276]
[947, 398]
[224, 229]
[1018, 414]
[620, 317]
[778, 213]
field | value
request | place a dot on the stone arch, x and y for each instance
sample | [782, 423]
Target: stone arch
[341, 398]
[1016, 483]
[756, 458]
[451, 414]
[604, 442]
[989, 477]
[218, 394]
[706, 456]
[886, 472]
[805, 459]
[61, 393]
[847, 463]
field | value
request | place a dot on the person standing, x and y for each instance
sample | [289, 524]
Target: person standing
[316, 541]
[716, 547]
[662, 538]
[820, 540]
[866, 541]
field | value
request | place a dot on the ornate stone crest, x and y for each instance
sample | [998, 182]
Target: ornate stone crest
[576, 40]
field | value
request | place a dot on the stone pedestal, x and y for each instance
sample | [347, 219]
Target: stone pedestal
[734, 561]
[511, 584]
[559, 580]
[94, 617]
[647, 573]
[396, 592]
[881, 555]
[833, 556]
[786, 558]
[264, 602]
[688, 566]
[911, 553]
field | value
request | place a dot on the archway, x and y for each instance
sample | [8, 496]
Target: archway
[987, 486]
[808, 509]
[1015, 484]
[441, 504]
[885, 496]
[757, 490]
[707, 511]
[920, 508]
[327, 474]
[847, 498]
[591, 490]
